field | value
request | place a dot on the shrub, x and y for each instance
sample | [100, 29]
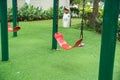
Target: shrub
[118, 34]
[48, 14]
[98, 25]
[118, 31]
[87, 14]
[9, 14]
[30, 13]
[61, 11]
[74, 12]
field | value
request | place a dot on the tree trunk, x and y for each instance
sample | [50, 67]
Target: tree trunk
[91, 21]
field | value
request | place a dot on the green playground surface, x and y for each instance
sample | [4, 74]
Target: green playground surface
[31, 56]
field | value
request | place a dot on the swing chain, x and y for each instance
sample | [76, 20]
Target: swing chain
[82, 21]
[17, 15]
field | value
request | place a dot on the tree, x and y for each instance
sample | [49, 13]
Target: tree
[75, 1]
[94, 13]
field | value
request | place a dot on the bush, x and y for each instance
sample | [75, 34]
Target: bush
[118, 31]
[98, 20]
[30, 13]
[118, 34]
[74, 11]
[9, 14]
[61, 11]
[98, 25]
[87, 14]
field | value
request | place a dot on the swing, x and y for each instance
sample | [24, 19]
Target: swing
[15, 29]
[60, 39]
[82, 21]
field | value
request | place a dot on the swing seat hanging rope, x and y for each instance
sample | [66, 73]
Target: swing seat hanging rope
[82, 21]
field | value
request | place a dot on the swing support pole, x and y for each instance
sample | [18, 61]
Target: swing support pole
[55, 23]
[109, 30]
[4, 30]
[14, 4]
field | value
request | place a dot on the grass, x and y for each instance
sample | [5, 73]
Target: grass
[31, 57]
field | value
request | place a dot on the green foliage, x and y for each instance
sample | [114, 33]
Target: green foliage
[118, 32]
[98, 25]
[27, 13]
[100, 13]
[99, 21]
[74, 10]
[9, 14]
[48, 14]
[87, 13]
[61, 11]
[87, 16]
[30, 13]
[75, 1]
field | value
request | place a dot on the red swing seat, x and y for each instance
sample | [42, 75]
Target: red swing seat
[60, 39]
[15, 29]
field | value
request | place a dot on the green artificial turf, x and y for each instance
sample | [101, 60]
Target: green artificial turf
[31, 56]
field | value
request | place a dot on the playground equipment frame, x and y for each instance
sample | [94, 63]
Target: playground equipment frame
[108, 43]
[4, 26]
